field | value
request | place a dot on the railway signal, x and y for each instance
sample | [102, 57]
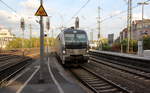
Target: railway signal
[48, 24]
[22, 24]
[77, 23]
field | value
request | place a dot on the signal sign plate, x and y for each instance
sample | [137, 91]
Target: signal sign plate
[41, 11]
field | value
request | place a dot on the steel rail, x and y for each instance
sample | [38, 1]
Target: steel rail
[122, 67]
[11, 70]
[98, 83]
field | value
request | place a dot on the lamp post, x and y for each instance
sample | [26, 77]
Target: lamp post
[140, 41]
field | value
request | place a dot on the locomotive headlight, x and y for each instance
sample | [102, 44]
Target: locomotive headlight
[64, 52]
[87, 51]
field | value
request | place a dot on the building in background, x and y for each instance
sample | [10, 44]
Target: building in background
[124, 34]
[5, 37]
[110, 39]
[91, 36]
[137, 30]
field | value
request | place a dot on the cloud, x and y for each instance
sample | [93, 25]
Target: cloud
[1, 26]
[115, 13]
[30, 8]
[8, 18]
[12, 20]
[137, 16]
[29, 4]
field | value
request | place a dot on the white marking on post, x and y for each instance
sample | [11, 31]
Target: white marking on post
[53, 78]
[27, 81]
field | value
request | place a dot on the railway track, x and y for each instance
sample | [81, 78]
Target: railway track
[9, 59]
[137, 66]
[11, 64]
[10, 70]
[6, 57]
[97, 83]
[138, 72]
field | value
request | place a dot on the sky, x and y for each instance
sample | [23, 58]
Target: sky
[61, 13]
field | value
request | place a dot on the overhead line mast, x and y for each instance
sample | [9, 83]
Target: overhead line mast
[99, 27]
[129, 24]
[98, 22]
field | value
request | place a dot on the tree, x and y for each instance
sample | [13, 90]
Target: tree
[146, 42]
[117, 45]
[16, 43]
[104, 44]
[28, 43]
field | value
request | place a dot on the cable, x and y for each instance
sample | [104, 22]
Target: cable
[8, 6]
[79, 10]
[122, 12]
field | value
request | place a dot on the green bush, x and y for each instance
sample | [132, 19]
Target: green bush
[146, 42]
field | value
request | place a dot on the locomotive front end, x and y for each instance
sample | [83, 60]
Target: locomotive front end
[76, 47]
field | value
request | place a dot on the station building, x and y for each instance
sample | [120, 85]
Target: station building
[5, 37]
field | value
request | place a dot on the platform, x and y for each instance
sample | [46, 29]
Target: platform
[55, 80]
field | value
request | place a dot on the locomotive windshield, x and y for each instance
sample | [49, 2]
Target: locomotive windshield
[75, 38]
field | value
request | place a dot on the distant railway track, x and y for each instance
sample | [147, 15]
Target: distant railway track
[137, 67]
[10, 70]
[122, 67]
[6, 57]
[18, 51]
[12, 63]
[96, 82]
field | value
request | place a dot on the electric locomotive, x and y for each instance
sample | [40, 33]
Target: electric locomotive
[72, 46]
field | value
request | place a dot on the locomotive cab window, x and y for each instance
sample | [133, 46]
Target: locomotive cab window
[69, 37]
[75, 37]
[81, 37]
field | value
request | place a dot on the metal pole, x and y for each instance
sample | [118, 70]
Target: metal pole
[99, 28]
[41, 47]
[77, 22]
[52, 33]
[23, 41]
[121, 43]
[47, 44]
[142, 29]
[22, 25]
[98, 22]
[30, 36]
[48, 27]
[140, 41]
[129, 23]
